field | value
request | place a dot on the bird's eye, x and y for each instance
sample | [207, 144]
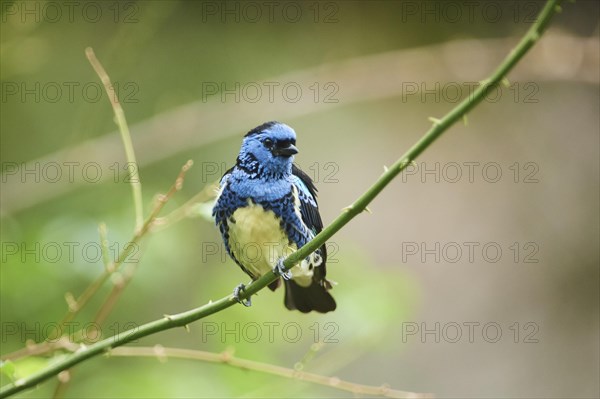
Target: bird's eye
[268, 143]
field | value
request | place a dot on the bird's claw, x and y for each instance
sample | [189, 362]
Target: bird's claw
[280, 270]
[236, 295]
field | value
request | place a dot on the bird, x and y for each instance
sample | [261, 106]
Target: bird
[266, 209]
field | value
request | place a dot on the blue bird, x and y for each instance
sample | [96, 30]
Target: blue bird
[266, 209]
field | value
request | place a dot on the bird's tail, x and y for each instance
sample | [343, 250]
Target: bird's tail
[305, 299]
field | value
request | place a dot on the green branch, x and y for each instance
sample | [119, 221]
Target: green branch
[183, 319]
[227, 358]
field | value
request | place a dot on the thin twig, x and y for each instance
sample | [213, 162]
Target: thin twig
[205, 196]
[125, 278]
[136, 184]
[182, 319]
[90, 291]
[42, 348]
[162, 353]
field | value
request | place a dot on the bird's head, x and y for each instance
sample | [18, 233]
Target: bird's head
[270, 147]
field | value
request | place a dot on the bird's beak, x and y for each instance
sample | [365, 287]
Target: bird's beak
[286, 151]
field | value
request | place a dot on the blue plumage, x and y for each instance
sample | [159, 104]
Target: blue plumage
[266, 209]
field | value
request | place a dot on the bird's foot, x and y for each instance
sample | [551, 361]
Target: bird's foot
[280, 270]
[236, 294]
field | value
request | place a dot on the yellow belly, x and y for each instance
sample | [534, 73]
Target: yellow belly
[258, 242]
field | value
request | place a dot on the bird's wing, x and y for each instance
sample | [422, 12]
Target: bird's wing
[307, 194]
[309, 210]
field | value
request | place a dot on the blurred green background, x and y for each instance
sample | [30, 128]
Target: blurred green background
[357, 81]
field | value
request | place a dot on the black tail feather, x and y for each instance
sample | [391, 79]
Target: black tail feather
[305, 299]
